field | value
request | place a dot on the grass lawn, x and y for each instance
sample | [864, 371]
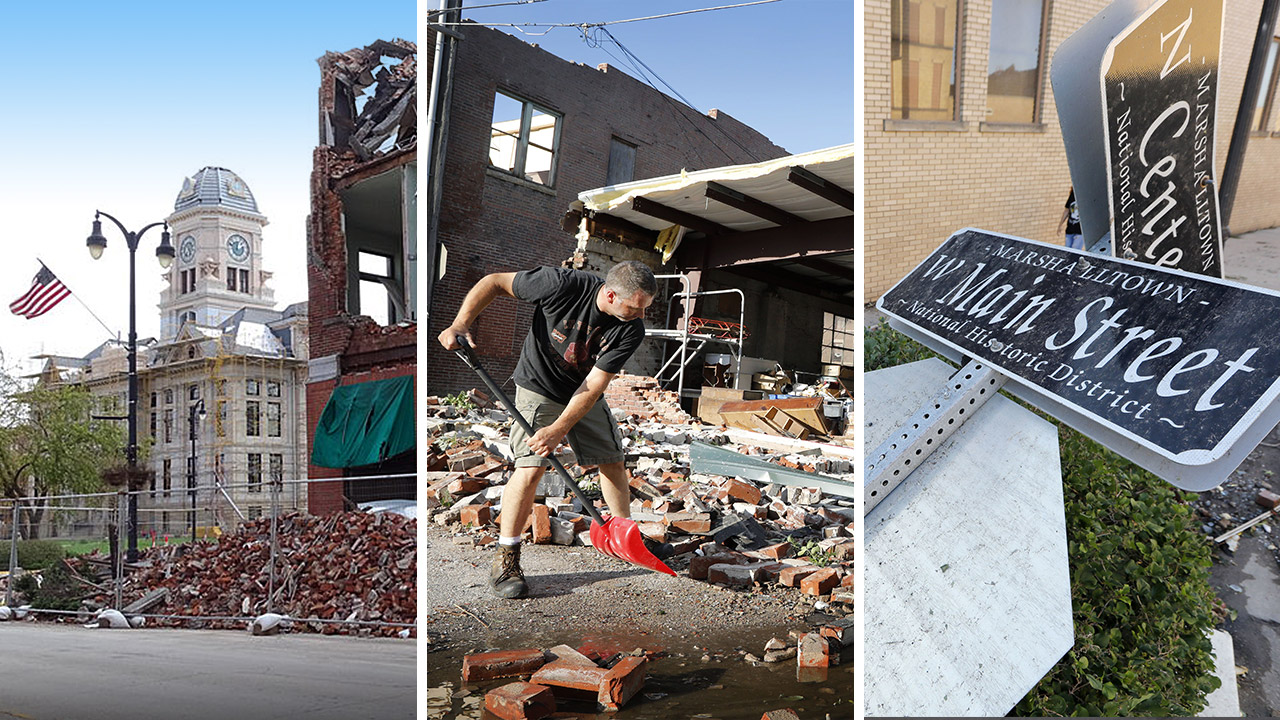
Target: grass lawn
[85, 547]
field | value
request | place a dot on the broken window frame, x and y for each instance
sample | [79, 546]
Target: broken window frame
[401, 284]
[220, 419]
[523, 141]
[168, 477]
[846, 338]
[168, 425]
[231, 278]
[389, 283]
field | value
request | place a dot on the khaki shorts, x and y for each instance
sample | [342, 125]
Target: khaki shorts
[595, 439]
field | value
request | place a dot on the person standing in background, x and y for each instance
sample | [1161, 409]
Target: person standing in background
[1071, 219]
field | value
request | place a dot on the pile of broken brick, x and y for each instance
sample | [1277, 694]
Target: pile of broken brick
[732, 531]
[600, 678]
[350, 566]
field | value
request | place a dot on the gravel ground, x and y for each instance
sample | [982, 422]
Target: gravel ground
[581, 588]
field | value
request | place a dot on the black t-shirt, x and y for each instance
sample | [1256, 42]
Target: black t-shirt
[570, 334]
[1073, 215]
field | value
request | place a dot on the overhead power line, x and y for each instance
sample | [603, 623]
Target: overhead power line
[494, 5]
[607, 22]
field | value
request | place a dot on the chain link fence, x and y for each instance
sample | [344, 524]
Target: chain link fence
[219, 556]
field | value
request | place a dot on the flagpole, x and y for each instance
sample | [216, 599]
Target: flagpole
[82, 304]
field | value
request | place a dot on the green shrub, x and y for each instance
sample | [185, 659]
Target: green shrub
[32, 554]
[57, 590]
[1142, 603]
[1141, 599]
[885, 347]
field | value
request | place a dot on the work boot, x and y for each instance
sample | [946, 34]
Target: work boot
[506, 579]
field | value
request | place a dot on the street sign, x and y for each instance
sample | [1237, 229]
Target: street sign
[1175, 371]
[1160, 90]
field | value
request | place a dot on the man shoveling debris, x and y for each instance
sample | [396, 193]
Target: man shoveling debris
[583, 332]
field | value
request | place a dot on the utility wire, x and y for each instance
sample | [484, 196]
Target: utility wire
[686, 101]
[494, 5]
[607, 22]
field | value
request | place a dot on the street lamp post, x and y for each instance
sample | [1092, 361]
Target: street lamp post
[97, 242]
[197, 408]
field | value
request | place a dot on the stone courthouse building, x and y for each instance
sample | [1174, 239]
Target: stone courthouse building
[226, 361]
[961, 125]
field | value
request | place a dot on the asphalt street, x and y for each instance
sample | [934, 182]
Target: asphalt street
[67, 672]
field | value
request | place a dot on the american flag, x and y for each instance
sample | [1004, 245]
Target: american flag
[46, 291]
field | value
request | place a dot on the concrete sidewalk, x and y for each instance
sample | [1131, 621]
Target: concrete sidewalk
[1254, 258]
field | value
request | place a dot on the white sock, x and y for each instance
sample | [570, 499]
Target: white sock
[504, 540]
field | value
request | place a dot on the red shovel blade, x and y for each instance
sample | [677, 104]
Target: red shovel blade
[620, 538]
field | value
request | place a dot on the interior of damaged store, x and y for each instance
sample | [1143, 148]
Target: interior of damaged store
[756, 287]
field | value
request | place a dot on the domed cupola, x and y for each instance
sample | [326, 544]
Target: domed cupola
[215, 186]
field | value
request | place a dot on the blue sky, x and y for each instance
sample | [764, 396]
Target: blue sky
[114, 103]
[785, 68]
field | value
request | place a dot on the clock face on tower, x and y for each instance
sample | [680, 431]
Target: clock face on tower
[187, 250]
[238, 247]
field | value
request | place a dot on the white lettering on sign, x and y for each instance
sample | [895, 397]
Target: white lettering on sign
[1163, 202]
[1181, 29]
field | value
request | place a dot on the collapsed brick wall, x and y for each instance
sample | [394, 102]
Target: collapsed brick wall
[364, 349]
[494, 222]
[640, 396]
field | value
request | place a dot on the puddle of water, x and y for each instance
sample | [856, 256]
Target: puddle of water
[700, 677]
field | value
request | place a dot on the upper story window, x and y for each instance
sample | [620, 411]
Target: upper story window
[1013, 63]
[1262, 110]
[523, 139]
[922, 46]
[622, 162]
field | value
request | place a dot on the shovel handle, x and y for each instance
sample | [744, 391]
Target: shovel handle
[468, 356]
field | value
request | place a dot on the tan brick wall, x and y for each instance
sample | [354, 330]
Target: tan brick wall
[923, 185]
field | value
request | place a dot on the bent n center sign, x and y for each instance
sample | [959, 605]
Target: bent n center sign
[1160, 101]
[1177, 372]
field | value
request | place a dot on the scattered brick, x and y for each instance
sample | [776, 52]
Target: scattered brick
[792, 576]
[743, 491]
[820, 582]
[521, 701]
[476, 515]
[541, 525]
[1268, 499]
[504, 663]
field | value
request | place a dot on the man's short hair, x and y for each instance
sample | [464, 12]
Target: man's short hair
[626, 278]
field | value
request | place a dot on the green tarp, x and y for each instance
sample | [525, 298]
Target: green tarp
[365, 423]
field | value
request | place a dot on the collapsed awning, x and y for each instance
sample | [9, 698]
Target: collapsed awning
[365, 423]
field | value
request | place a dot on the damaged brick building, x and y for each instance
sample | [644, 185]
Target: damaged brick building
[522, 132]
[361, 276]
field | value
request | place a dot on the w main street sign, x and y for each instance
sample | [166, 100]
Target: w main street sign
[1177, 372]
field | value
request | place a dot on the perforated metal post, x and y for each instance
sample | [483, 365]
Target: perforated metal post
[930, 426]
[275, 545]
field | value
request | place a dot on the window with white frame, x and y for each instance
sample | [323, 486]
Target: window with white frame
[523, 139]
[838, 336]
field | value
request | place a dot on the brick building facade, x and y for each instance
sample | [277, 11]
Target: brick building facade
[361, 244]
[986, 151]
[601, 126]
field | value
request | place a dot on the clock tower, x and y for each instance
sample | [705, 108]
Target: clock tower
[217, 230]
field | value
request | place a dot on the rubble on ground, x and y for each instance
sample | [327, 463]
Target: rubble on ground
[350, 566]
[735, 532]
[1247, 494]
[589, 673]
